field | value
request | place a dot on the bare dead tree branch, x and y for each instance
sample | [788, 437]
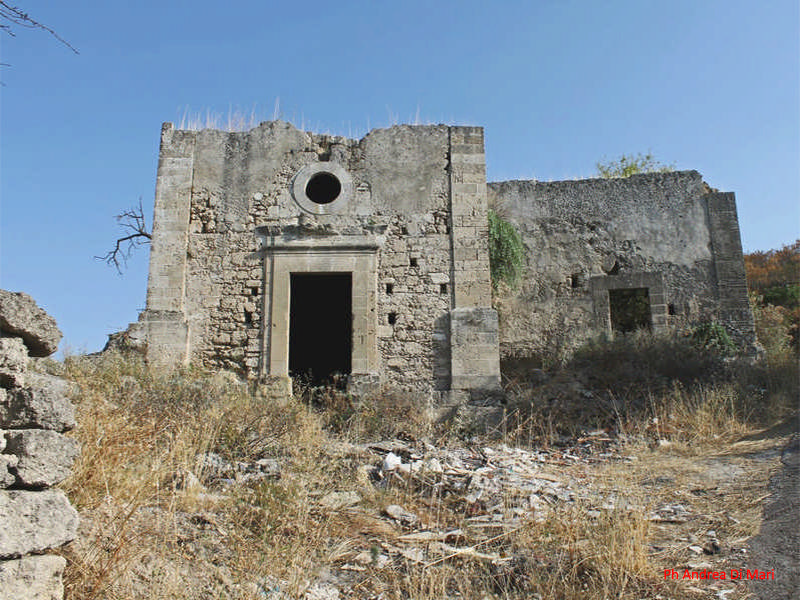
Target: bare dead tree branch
[132, 222]
[13, 15]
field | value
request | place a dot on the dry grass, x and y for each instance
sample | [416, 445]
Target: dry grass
[149, 533]
[141, 436]
[656, 386]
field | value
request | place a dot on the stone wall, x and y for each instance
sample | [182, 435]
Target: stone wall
[665, 232]
[409, 224]
[234, 222]
[34, 455]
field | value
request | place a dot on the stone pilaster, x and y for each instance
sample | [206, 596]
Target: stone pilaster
[164, 318]
[734, 307]
[474, 338]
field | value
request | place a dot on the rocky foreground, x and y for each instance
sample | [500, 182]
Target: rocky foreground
[410, 508]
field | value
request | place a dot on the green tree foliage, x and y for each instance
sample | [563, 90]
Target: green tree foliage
[625, 166]
[774, 281]
[775, 274]
[506, 251]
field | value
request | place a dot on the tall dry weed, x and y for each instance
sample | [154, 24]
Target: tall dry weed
[142, 436]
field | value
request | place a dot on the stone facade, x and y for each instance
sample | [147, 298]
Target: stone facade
[34, 455]
[666, 233]
[253, 230]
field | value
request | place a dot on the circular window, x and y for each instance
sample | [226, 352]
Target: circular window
[323, 188]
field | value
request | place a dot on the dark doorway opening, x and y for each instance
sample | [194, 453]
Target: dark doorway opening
[320, 327]
[630, 309]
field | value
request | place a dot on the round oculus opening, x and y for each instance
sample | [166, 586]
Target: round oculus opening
[323, 188]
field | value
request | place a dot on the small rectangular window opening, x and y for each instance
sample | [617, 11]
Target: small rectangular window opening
[248, 317]
[442, 288]
[392, 318]
[254, 291]
[576, 280]
[671, 309]
[389, 288]
[630, 309]
[413, 262]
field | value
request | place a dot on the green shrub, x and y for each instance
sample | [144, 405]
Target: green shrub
[506, 251]
[713, 337]
[627, 165]
[783, 295]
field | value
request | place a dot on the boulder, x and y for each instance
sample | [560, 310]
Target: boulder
[43, 407]
[45, 457]
[32, 578]
[20, 316]
[13, 361]
[35, 521]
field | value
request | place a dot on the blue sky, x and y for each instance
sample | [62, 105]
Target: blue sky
[557, 85]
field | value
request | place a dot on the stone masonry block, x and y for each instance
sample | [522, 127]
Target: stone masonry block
[466, 149]
[468, 159]
[13, 361]
[20, 316]
[32, 578]
[35, 521]
[7, 463]
[43, 407]
[45, 457]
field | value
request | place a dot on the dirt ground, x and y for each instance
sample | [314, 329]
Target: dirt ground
[703, 506]
[753, 486]
[777, 545]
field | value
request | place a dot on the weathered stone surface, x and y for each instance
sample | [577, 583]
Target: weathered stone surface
[659, 231]
[409, 222]
[13, 361]
[45, 457]
[32, 578]
[20, 316]
[35, 521]
[40, 407]
[55, 383]
[7, 462]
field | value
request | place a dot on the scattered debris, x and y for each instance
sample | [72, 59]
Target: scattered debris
[216, 469]
[338, 500]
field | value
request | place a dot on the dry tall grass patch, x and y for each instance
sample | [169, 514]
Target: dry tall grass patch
[142, 440]
[158, 524]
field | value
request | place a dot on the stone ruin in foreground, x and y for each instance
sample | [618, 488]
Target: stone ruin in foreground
[34, 455]
[277, 252]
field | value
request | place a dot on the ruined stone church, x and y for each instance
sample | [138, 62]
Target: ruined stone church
[279, 253]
